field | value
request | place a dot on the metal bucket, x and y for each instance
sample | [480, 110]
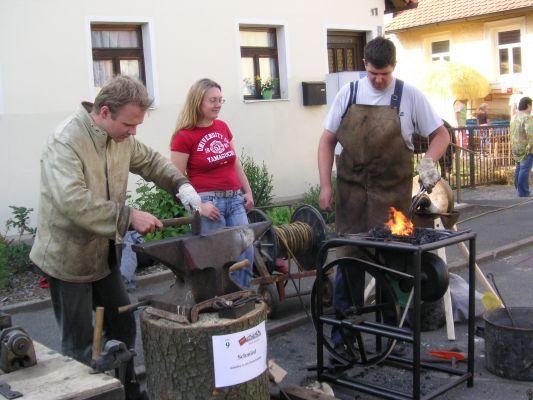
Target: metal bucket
[508, 348]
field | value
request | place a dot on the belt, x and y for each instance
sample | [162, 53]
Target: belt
[221, 193]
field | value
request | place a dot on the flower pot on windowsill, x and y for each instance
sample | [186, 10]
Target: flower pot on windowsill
[267, 94]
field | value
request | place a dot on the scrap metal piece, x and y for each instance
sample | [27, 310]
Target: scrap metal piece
[5, 390]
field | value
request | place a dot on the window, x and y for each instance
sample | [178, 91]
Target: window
[440, 50]
[117, 49]
[345, 51]
[509, 52]
[259, 58]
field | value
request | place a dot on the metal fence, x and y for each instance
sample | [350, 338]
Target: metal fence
[477, 155]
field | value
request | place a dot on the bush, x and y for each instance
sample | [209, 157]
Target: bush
[260, 180]
[161, 204]
[311, 198]
[279, 215]
[15, 254]
[4, 268]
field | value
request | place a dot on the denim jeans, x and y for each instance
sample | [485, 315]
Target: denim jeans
[349, 287]
[232, 213]
[523, 169]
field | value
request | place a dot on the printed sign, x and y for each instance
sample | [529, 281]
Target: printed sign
[240, 357]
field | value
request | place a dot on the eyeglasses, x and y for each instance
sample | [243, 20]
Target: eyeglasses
[215, 100]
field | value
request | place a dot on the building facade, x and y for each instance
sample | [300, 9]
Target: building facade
[494, 38]
[56, 53]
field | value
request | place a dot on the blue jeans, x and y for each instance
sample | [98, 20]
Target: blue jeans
[523, 169]
[349, 287]
[232, 213]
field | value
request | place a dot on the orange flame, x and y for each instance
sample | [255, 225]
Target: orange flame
[399, 224]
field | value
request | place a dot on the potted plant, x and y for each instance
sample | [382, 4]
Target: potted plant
[267, 86]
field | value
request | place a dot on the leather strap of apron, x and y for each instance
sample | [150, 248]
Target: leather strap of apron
[395, 99]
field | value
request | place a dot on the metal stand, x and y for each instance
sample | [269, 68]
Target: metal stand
[387, 331]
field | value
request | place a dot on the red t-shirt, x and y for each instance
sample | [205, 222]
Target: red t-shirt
[211, 164]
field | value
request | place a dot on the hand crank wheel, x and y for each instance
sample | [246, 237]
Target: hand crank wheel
[359, 346]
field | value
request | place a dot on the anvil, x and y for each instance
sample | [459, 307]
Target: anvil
[200, 263]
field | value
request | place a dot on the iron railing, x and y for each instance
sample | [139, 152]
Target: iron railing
[478, 155]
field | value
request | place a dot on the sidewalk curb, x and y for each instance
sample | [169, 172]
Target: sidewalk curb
[165, 275]
[493, 254]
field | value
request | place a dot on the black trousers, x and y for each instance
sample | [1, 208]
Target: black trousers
[73, 305]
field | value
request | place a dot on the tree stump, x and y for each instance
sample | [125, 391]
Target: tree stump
[179, 357]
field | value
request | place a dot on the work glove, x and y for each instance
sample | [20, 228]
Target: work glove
[188, 197]
[427, 173]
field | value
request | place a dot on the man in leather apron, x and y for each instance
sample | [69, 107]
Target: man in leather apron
[375, 167]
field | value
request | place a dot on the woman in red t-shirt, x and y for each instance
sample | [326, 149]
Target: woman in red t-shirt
[202, 147]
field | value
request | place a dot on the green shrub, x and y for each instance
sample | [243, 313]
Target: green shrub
[4, 269]
[161, 204]
[15, 254]
[279, 215]
[311, 198]
[260, 180]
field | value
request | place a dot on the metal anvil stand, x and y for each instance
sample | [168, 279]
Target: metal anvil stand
[395, 333]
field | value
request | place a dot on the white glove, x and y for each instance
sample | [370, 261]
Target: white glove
[427, 173]
[188, 196]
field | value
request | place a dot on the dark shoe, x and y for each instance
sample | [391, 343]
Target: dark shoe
[345, 353]
[399, 349]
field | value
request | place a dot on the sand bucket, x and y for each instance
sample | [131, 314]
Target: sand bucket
[508, 347]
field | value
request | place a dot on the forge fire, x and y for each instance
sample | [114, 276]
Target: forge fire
[399, 224]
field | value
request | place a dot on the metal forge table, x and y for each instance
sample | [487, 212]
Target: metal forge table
[391, 332]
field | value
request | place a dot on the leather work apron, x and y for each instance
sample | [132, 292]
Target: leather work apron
[374, 169]
[374, 173]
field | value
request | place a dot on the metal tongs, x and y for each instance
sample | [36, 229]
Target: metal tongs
[419, 197]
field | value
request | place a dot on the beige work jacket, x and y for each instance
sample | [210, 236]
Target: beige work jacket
[84, 177]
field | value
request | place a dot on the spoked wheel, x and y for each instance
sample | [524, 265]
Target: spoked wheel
[270, 295]
[347, 344]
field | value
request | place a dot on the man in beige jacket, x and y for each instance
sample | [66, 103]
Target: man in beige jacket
[83, 217]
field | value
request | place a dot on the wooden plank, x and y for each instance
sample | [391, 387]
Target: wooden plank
[56, 377]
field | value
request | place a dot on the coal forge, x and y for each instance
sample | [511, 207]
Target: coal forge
[418, 237]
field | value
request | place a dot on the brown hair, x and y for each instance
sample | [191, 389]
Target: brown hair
[121, 90]
[190, 113]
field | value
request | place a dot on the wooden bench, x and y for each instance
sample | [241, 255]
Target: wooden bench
[57, 377]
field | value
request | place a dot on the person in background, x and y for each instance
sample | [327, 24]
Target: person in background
[83, 217]
[482, 115]
[522, 146]
[460, 112]
[374, 120]
[513, 103]
[202, 146]
[482, 118]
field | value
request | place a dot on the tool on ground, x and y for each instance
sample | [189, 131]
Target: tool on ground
[195, 221]
[16, 346]
[5, 390]
[491, 277]
[201, 264]
[452, 357]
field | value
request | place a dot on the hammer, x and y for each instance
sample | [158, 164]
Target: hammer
[194, 220]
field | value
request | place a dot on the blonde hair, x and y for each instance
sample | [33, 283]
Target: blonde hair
[483, 106]
[190, 114]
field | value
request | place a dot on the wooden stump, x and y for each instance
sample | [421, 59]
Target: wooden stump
[179, 357]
